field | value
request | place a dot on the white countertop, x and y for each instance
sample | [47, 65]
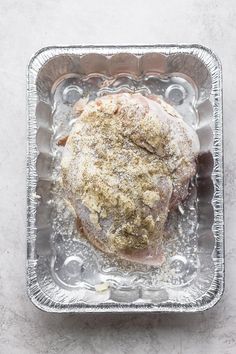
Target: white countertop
[26, 26]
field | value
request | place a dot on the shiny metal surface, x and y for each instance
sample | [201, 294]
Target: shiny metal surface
[65, 274]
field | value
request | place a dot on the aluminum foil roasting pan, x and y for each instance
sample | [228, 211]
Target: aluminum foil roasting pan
[64, 272]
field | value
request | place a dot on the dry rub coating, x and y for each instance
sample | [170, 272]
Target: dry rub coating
[126, 163]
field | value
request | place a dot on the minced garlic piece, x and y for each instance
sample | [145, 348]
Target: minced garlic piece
[150, 198]
[94, 219]
[101, 287]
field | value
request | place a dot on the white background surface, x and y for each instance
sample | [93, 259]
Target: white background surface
[26, 26]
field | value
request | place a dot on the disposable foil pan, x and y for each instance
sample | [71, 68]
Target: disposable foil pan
[64, 272]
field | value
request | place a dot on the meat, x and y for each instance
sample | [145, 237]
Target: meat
[126, 163]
